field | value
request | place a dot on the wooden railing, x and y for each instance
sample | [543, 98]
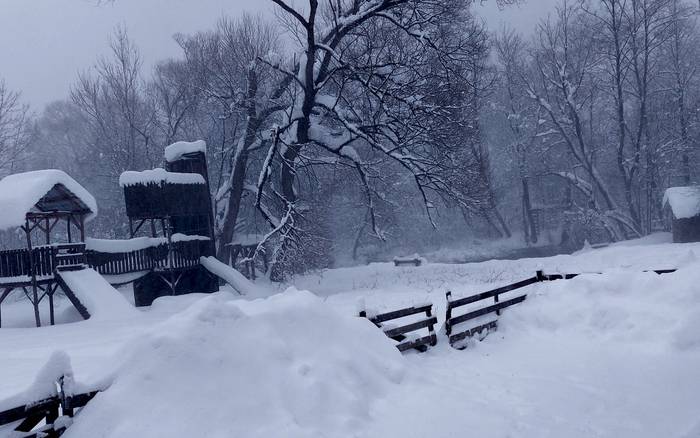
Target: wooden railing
[184, 254]
[17, 263]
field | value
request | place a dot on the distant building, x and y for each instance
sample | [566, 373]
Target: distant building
[683, 204]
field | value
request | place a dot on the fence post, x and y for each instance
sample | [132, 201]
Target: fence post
[448, 313]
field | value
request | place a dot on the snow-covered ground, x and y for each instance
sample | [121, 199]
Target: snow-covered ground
[602, 355]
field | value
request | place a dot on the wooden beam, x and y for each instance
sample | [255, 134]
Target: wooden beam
[4, 295]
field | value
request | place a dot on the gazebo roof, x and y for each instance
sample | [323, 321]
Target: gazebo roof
[39, 192]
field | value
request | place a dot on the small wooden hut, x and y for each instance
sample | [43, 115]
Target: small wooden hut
[38, 203]
[683, 207]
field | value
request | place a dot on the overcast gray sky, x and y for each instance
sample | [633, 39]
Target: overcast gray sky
[45, 43]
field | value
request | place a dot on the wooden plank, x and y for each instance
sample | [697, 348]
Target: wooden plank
[79, 400]
[486, 310]
[492, 325]
[400, 313]
[492, 293]
[21, 412]
[411, 327]
[426, 340]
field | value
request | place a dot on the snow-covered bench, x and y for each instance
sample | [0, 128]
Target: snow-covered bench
[414, 260]
[403, 333]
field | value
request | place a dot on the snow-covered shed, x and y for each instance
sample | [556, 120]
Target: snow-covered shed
[683, 203]
[42, 198]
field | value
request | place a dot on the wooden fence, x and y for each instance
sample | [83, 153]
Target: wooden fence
[495, 309]
[399, 333]
[48, 411]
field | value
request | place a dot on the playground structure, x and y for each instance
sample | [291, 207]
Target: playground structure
[173, 206]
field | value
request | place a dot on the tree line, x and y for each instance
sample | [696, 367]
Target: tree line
[358, 128]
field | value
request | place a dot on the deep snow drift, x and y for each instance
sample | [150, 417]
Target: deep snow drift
[603, 355]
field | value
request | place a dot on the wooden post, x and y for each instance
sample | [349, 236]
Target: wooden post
[51, 313]
[82, 228]
[32, 268]
[68, 221]
[448, 313]
[48, 231]
[4, 295]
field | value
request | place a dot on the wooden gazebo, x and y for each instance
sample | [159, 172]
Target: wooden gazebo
[40, 203]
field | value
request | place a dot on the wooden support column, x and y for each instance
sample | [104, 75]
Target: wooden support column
[32, 268]
[68, 223]
[4, 295]
[51, 291]
[47, 231]
[82, 228]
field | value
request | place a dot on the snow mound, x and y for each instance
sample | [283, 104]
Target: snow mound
[44, 385]
[622, 307]
[284, 366]
[158, 176]
[176, 150]
[21, 191]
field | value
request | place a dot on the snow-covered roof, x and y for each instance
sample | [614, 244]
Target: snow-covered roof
[684, 201]
[132, 178]
[176, 150]
[20, 193]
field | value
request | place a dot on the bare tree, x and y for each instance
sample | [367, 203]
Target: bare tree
[565, 88]
[15, 129]
[370, 81]
[226, 66]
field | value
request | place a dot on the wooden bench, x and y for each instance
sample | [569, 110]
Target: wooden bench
[408, 261]
[399, 333]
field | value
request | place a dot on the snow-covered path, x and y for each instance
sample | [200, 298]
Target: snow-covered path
[612, 355]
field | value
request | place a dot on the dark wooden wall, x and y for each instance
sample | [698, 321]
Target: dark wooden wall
[686, 230]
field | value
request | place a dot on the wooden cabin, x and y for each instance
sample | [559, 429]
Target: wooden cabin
[40, 203]
[682, 205]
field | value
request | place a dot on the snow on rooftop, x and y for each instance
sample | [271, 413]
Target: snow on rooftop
[176, 150]
[158, 176]
[684, 201]
[21, 191]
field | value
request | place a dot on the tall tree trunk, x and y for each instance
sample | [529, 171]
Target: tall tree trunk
[529, 225]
